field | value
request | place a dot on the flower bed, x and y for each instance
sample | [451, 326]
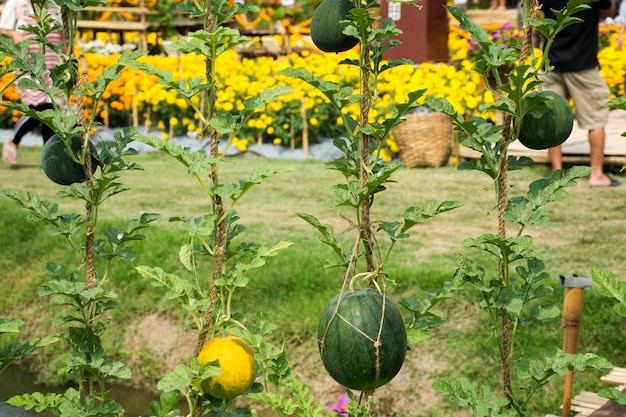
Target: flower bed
[281, 122]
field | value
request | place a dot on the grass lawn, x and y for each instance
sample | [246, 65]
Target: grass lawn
[586, 230]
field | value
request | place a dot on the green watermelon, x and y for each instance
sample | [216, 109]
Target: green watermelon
[326, 29]
[362, 339]
[547, 124]
[59, 166]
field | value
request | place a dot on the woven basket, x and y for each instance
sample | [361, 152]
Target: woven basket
[424, 139]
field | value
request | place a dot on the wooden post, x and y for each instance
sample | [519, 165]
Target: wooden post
[571, 319]
[305, 128]
[135, 110]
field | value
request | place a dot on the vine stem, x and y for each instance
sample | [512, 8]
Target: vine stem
[68, 18]
[502, 187]
[220, 250]
[364, 174]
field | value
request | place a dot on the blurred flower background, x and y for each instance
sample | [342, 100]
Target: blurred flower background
[137, 99]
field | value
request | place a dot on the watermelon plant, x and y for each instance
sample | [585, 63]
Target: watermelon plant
[215, 241]
[514, 287]
[609, 285]
[80, 293]
[362, 317]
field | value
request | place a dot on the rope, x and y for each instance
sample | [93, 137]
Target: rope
[503, 201]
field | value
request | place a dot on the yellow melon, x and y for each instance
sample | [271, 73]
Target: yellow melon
[235, 359]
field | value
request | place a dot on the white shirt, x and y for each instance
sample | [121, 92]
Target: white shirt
[17, 13]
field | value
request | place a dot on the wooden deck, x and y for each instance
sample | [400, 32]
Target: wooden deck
[493, 17]
[590, 404]
[576, 148]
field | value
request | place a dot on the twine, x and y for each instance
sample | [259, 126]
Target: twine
[503, 202]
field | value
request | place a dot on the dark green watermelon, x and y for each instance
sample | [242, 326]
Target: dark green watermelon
[546, 126]
[326, 29]
[348, 338]
[59, 166]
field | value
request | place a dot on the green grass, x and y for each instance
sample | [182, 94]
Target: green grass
[586, 230]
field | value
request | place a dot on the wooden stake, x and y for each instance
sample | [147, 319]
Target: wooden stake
[305, 128]
[571, 319]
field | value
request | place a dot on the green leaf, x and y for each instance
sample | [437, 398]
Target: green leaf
[37, 401]
[613, 394]
[178, 288]
[178, 379]
[338, 97]
[480, 399]
[236, 190]
[197, 162]
[327, 236]
[10, 325]
[609, 286]
[617, 103]
[551, 361]
[418, 215]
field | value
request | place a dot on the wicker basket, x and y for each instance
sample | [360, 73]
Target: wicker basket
[424, 139]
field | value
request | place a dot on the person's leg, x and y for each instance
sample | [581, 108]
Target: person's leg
[590, 93]
[9, 151]
[597, 178]
[556, 158]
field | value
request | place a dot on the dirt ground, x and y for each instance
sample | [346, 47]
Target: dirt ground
[409, 392]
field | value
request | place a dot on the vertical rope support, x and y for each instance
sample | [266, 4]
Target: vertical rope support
[364, 142]
[210, 96]
[91, 277]
[503, 202]
[219, 211]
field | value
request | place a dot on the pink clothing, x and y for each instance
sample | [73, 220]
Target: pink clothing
[17, 13]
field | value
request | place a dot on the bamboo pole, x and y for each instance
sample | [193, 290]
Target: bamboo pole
[571, 319]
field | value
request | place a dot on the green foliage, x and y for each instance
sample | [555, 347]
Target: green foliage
[481, 399]
[610, 287]
[65, 404]
[360, 254]
[83, 304]
[514, 291]
[17, 350]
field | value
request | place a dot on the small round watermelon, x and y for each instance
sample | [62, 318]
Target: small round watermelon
[362, 339]
[327, 29]
[546, 126]
[59, 166]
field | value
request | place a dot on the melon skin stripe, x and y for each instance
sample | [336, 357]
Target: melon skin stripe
[326, 29]
[546, 129]
[59, 166]
[347, 338]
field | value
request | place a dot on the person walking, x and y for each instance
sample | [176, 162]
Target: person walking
[17, 14]
[576, 75]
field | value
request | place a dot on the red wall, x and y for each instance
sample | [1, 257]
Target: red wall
[425, 30]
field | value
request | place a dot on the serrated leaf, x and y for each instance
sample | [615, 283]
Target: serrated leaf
[178, 379]
[10, 325]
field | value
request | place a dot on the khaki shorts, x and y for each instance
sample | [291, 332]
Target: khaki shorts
[589, 92]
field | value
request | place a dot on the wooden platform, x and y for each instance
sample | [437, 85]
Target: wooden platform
[576, 148]
[590, 404]
[493, 17]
